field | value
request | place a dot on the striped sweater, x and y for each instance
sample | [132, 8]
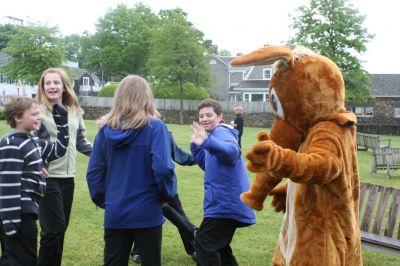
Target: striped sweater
[22, 158]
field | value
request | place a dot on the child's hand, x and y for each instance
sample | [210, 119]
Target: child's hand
[199, 134]
[45, 174]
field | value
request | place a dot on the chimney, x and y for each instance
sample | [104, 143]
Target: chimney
[215, 49]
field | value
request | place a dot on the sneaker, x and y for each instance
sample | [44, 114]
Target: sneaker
[136, 257]
[193, 255]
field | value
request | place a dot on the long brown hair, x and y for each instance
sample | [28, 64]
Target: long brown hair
[132, 105]
[68, 98]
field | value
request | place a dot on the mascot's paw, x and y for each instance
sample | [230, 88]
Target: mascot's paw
[279, 198]
[258, 156]
[262, 135]
[252, 201]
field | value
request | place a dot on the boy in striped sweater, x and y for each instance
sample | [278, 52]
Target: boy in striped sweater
[22, 184]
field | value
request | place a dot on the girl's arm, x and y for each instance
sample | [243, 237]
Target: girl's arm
[82, 144]
[96, 172]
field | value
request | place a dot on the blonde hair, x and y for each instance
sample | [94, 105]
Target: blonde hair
[132, 105]
[68, 97]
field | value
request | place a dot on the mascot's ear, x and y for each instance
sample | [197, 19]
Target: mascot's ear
[265, 56]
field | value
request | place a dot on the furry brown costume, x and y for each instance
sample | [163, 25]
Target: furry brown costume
[312, 143]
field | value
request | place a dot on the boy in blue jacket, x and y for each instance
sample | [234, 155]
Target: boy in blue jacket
[216, 150]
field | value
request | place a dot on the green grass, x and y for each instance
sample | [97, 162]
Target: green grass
[252, 245]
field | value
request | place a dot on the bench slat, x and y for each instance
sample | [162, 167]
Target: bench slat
[369, 207]
[363, 189]
[382, 243]
[381, 210]
[393, 211]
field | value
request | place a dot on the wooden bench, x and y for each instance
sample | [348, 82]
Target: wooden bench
[370, 141]
[379, 208]
[385, 159]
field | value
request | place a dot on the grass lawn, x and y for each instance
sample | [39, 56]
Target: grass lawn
[252, 246]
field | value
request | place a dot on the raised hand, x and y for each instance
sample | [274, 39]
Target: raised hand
[199, 134]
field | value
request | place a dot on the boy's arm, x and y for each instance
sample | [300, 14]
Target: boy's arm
[11, 166]
[82, 144]
[198, 155]
[54, 150]
[179, 155]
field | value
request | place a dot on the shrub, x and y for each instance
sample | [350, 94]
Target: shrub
[171, 91]
[1, 113]
[108, 91]
[164, 91]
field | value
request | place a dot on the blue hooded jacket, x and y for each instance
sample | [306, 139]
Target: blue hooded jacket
[130, 172]
[225, 175]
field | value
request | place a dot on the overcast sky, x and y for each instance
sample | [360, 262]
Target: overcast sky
[237, 26]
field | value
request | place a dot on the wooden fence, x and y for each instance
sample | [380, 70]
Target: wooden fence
[188, 105]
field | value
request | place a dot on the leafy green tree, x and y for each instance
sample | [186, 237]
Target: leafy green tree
[33, 49]
[179, 55]
[334, 28]
[121, 43]
[169, 91]
[72, 47]
[225, 52]
[6, 33]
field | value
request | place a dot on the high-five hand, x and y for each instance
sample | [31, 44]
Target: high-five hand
[199, 134]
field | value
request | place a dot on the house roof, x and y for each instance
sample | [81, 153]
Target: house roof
[386, 85]
[81, 71]
[253, 84]
[224, 59]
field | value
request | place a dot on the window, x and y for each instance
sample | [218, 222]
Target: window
[363, 110]
[397, 112]
[267, 73]
[85, 81]
[255, 97]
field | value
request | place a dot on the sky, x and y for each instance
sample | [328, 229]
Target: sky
[236, 26]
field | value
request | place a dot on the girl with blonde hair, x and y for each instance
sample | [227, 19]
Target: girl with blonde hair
[130, 174]
[55, 207]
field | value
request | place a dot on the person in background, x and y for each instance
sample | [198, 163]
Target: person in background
[55, 208]
[173, 210]
[216, 150]
[238, 123]
[22, 183]
[130, 174]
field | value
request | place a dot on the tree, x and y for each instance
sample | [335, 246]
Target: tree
[72, 47]
[6, 33]
[334, 28]
[33, 49]
[121, 43]
[179, 55]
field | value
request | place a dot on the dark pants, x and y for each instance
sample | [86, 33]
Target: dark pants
[213, 240]
[240, 138]
[118, 244]
[21, 250]
[174, 212]
[54, 213]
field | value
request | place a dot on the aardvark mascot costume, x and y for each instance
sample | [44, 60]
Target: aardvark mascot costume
[312, 143]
